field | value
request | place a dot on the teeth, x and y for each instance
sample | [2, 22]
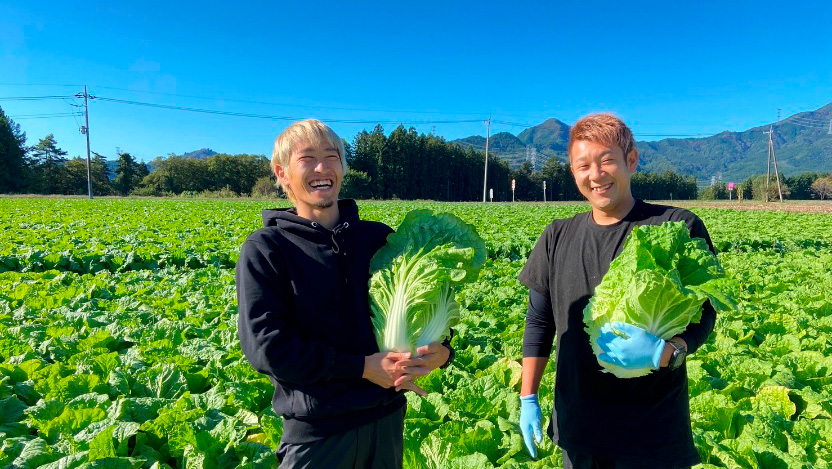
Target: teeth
[601, 188]
[321, 183]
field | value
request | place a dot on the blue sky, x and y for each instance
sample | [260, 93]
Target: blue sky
[668, 68]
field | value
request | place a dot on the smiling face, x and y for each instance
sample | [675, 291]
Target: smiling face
[313, 178]
[602, 174]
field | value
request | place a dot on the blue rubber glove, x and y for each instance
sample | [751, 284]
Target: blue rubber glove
[530, 417]
[629, 346]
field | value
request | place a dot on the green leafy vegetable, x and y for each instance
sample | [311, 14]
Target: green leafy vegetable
[658, 282]
[411, 288]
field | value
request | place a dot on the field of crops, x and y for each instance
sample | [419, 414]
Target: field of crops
[118, 343]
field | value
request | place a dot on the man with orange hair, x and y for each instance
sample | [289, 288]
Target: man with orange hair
[598, 420]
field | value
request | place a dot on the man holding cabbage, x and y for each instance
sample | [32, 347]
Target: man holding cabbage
[305, 320]
[621, 396]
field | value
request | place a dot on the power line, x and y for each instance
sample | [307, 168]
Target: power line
[37, 84]
[805, 120]
[273, 117]
[817, 125]
[305, 106]
[30, 98]
[43, 116]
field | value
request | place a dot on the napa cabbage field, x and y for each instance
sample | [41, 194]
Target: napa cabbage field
[118, 343]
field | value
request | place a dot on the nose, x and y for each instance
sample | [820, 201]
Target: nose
[595, 171]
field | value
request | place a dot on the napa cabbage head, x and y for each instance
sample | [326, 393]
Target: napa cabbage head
[413, 278]
[658, 282]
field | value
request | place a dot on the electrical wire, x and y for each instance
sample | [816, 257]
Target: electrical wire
[45, 116]
[31, 98]
[272, 117]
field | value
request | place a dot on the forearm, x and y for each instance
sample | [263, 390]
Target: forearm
[697, 333]
[539, 333]
[533, 368]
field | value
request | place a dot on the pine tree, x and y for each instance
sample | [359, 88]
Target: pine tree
[49, 160]
[12, 155]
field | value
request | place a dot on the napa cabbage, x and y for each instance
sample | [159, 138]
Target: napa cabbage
[658, 282]
[413, 278]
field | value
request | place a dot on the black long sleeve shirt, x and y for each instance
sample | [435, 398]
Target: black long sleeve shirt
[644, 420]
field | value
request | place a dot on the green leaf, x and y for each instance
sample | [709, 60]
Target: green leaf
[413, 275]
[658, 282]
[102, 445]
[774, 399]
[35, 454]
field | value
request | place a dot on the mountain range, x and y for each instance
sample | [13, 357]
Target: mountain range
[802, 143]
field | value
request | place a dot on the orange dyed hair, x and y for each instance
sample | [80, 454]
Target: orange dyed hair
[605, 128]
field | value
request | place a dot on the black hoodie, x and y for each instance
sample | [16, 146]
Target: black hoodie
[304, 320]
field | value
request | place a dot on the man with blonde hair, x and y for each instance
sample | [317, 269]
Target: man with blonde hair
[305, 320]
[598, 420]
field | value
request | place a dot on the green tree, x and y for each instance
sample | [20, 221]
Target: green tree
[716, 191]
[127, 176]
[801, 185]
[357, 185]
[49, 159]
[745, 190]
[100, 173]
[759, 184]
[822, 187]
[13, 168]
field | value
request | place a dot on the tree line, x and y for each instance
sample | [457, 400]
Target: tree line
[403, 165]
[805, 186]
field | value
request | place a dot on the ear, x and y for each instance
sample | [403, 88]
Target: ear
[281, 174]
[632, 160]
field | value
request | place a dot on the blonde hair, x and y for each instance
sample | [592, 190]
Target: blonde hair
[303, 132]
[605, 128]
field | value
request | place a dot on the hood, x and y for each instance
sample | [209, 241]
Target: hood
[283, 217]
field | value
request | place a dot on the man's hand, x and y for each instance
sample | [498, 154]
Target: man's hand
[629, 346]
[386, 369]
[530, 417]
[429, 357]
[383, 368]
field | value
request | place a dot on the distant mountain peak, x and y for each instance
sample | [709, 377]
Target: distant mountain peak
[201, 153]
[803, 143]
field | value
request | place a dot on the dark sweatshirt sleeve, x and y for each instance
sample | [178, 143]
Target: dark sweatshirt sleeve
[267, 338]
[539, 334]
[697, 333]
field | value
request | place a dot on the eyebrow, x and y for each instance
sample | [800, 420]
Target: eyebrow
[313, 148]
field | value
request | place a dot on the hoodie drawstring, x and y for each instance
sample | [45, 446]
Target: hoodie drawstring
[335, 247]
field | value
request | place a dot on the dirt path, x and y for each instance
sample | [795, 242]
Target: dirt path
[811, 206]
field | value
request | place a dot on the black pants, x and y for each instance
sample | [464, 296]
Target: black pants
[377, 445]
[584, 461]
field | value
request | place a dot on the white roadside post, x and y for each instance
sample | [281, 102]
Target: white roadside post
[544, 191]
[491, 194]
[512, 189]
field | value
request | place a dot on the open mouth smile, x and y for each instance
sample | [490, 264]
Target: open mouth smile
[601, 189]
[321, 184]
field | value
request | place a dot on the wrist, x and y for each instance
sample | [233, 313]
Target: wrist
[529, 398]
[667, 352]
[451, 356]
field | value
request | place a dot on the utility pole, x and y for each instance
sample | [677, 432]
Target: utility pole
[772, 158]
[487, 138]
[86, 131]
